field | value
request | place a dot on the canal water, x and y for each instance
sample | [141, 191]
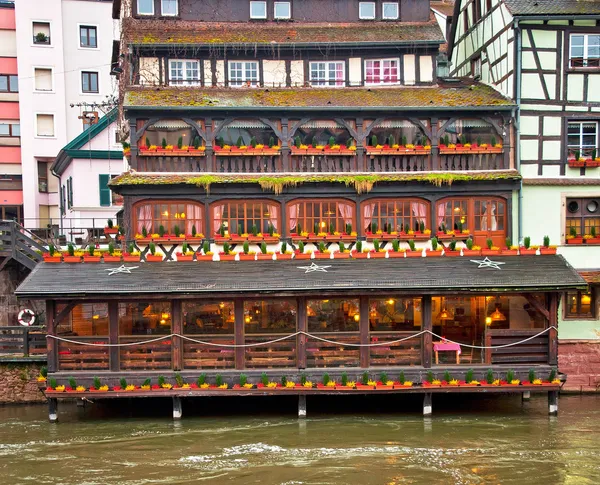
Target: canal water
[477, 440]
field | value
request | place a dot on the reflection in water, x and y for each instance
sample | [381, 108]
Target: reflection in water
[476, 440]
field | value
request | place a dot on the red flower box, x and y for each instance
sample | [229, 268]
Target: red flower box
[319, 255]
[357, 255]
[127, 258]
[338, 255]
[108, 230]
[575, 240]
[226, 257]
[52, 259]
[396, 254]
[377, 255]
[471, 252]
[432, 254]
[414, 254]
[364, 387]
[510, 252]
[71, 259]
[384, 387]
[302, 256]
[527, 252]
[264, 257]
[451, 254]
[111, 259]
[490, 252]
[246, 257]
[204, 257]
[547, 250]
[182, 257]
[91, 259]
[283, 256]
[153, 258]
[594, 241]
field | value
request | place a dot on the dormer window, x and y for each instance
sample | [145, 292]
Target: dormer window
[283, 10]
[145, 7]
[258, 10]
[390, 11]
[585, 50]
[168, 8]
[243, 74]
[366, 10]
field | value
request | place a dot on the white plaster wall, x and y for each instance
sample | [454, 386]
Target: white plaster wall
[207, 73]
[531, 86]
[544, 38]
[551, 150]
[529, 149]
[409, 69]
[150, 70]
[529, 125]
[274, 73]
[355, 71]
[220, 73]
[86, 188]
[105, 140]
[594, 88]
[426, 69]
[575, 87]
[547, 60]
[297, 73]
[552, 125]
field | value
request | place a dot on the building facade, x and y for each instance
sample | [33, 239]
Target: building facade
[546, 57]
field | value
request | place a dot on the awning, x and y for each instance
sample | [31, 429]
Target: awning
[417, 275]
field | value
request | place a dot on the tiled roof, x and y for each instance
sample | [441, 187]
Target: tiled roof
[445, 7]
[571, 181]
[553, 7]
[434, 97]
[590, 276]
[212, 33]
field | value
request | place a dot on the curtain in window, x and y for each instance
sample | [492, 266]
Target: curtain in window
[419, 210]
[441, 213]
[367, 214]
[144, 218]
[194, 218]
[491, 216]
[274, 215]
[217, 212]
[294, 209]
[346, 211]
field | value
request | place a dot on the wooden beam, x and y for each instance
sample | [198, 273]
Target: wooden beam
[113, 335]
[427, 339]
[537, 305]
[177, 321]
[239, 333]
[51, 344]
[64, 312]
[553, 333]
[302, 327]
[364, 331]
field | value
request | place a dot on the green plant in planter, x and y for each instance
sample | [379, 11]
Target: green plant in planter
[404, 140]
[271, 142]
[392, 140]
[593, 231]
[316, 228]
[146, 383]
[226, 248]
[325, 379]
[374, 141]
[348, 228]
[196, 143]
[469, 244]
[430, 377]
[131, 248]
[271, 229]
[263, 247]
[161, 230]
[508, 242]
[303, 379]
[489, 376]
[552, 375]
[342, 247]
[72, 383]
[344, 379]
[51, 249]
[152, 248]
[243, 380]
[239, 230]
[123, 383]
[283, 249]
[110, 223]
[577, 155]
[71, 250]
[401, 378]
[374, 227]
[349, 143]
[434, 243]
[331, 228]
[184, 248]
[331, 141]
[297, 141]
[459, 226]
[364, 378]
[452, 245]
[179, 379]
[322, 247]
[376, 245]
[510, 376]
[144, 231]
[111, 248]
[253, 142]
[201, 380]
[493, 142]
[239, 142]
[91, 249]
[412, 245]
[194, 231]
[205, 247]
[97, 383]
[527, 242]
[177, 231]
[315, 142]
[44, 371]
[164, 143]
[246, 247]
[148, 142]
[179, 142]
[546, 241]
[254, 230]
[489, 243]
[421, 227]
[218, 380]
[301, 247]
[264, 379]
[531, 376]
[299, 229]
[359, 246]
[447, 376]
[383, 378]
[396, 245]
[52, 383]
[469, 376]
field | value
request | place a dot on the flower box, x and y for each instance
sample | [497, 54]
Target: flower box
[247, 257]
[451, 254]
[417, 236]
[264, 257]
[490, 252]
[234, 238]
[449, 237]
[471, 252]
[110, 230]
[594, 241]
[384, 387]
[255, 239]
[270, 239]
[428, 384]
[128, 258]
[91, 259]
[510, 252]
[357, 255]
[396, 254]
[226, 257]
[52, 259]
[283, 256]
[433, 254]
[364, 387]
[547, 251]
[319, 255]
[377, 255]
[414, 254]
[111, 259]
[338, 255]
[154, 258]
[575, 240]
[398, 385]
[183, 257]
[576, 163]
[204, 257]
[302, 256]
[527, 252]
[72, 259]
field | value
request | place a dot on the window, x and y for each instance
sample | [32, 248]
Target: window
[580, 304]
[208, 317]
[145, 7]
[44, 125]
[381, 71]
[582, 137]
[282, 10]
[476, 67]
[366, 10]
[69, 192]
[400, 215]
[184, 72]
[168, 8]
[583, 214]
[42, 177]
[88, 36]
[392, 314]
[148, 318]
[63, 200]
[10, 129]
[243, 73]
[41, 33]
[186, 215]
[314, 216]
[89, 82]
[269, 316]
[585, 50]
[9, 83]
[327, 73]
[42, 79]
[239, 217]
[258, 10]
[390, 11]
[108, 197]
[335, 315]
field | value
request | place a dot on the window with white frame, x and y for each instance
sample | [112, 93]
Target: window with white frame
[44, 125]
[327, 73]
[258, 10]
[243, 73]
[582, 138]
[184, 72]
[585, 50]
[145, 7]
[366, 10]
[168, 8]
[42, 77]
[282, 10]
[390, 11]
[89, 82]
[382, 71]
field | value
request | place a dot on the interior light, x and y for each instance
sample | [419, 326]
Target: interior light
[323, 224]
[166, 213]
[165, 316]
[163, 322]
[457, 209]
[390, 301]
[488, 321]
[356, 317]
[498, 316]
[182, 215]
[221, 305]
[247, 319]
[586, 299]
[95, 317]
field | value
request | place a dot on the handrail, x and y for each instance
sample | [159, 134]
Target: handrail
[22, 244]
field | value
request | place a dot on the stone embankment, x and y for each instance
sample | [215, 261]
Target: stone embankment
[580, 360]
[18, 383]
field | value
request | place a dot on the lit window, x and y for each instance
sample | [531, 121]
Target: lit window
[390, 11]
[243, 73]
[145, 7]
[88, 36]
[258, 10]
[184, 72]
[381, 71]
[585, 50]
[283, 10]
[327, 74]
[89, 82]
[168, 7]
[366, 10]
[579, 304]
[582, 137]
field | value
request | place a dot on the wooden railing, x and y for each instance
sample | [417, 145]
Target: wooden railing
[202, 356]
[21, 340]
[150, 356]
[20, 244]
[271, 356]
[325, 354]
[403, 353]
[534, 351]
[324, 163]
[83, 357]
[456, 162]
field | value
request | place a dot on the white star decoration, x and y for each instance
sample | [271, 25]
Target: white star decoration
[487, 263]
[314, 267]
[121, 269]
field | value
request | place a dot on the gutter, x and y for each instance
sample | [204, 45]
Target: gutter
[290, 45]
[518, 68]
[322, 108]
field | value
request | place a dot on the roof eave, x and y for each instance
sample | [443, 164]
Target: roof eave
[506, 107]
[365, 45]
[562, 16]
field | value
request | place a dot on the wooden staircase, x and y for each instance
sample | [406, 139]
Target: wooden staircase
[20, 245]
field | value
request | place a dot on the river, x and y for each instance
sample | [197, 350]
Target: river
[472, 440]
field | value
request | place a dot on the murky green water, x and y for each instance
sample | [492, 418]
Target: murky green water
[477, 441]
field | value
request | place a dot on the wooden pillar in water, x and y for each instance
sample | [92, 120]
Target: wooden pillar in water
[177, 408]
[526, 396]
[427, 404]
[302, 406]
[53, 410]
[553, 403]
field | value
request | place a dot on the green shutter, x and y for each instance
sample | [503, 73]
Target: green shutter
[62, 200]
[70, 194]
[104, 190]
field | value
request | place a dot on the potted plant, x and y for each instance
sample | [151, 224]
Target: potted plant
[111, 255]
[207, 254]
[365, 383]
[194, 236]
[72, 256]
[284, 253]
[469, 379]
[491, 250]
[527, 249]
[300, 253]
[592, 238]
[546, 248]
[52, 256]
[154, 256]
[272, 236]
[573, 237]
[471, 249]
[511, 380]
[92, 256]
[246, 254]
[431, 381]
[132, 255]
[384, 382]
[413, 252]
[254, 235]
[342, 252]
[110, 227]
[377, 252]
[227, 254]
[396, 251]
[186, 254]
[509, 249]
[435, 251]
[264, 254]
[323, 252]
[451, 249]
[359, 252]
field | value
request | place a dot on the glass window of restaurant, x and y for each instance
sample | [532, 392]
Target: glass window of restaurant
[320, 215]
[242, 216]
[396, 215]
[186, 215]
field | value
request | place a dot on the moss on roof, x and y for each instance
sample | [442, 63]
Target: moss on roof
[405, 97]
[276, 183]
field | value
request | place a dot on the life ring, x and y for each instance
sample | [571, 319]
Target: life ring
[31, 317]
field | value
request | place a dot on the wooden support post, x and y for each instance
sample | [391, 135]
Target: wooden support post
[26, 341]
[80, 403]
[51, 344]
[113, 335]
[53, 410]
[364, 331]
[553, 403]
[177, 354]
[177, 408]
[488, 344]
[302, 406]
[526, 395]
[239, 333]
[427, 324]
[553, 333]
[427, 404]
[301, 339]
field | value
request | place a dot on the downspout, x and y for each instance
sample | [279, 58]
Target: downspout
[59, 198]
[518, 129]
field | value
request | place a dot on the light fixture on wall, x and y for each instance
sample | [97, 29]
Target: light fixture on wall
[445, 314]
[497, 315]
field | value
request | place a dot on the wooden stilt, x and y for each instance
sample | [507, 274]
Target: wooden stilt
[526, 396]
[302, 406]
[177, 408]
[53, 410]
[427, 404]
[553, 403]
[80, 403]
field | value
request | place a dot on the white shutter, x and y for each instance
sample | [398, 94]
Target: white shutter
[45, 125]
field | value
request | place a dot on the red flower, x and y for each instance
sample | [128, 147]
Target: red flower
[116, 388]
[68, 388]
[155, 386]
[194, 386]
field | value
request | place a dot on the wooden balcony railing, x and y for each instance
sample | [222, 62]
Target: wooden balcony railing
[534, 351]
[202, 356]
[150, 356]
[325, 354]
[26, 341]
[407, 352]
[272, 356]
[82, 356]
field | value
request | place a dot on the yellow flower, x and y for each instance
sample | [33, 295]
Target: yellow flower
[474, 383]
[537, 382]
[139, 236]
[330, 384]
[201, 148]
[410, 146]
[515, 382]
[352, 147]
[223, 386]
[371, 383]
[103, 388]
[427, 147]
[145, 388]
[290, 384]
[130, 387]
[248, 385]
[484, 145]
[80, 388]
[335, 147]
[259, 146]
[41, 379]
[453, 382]
[496, 382]
[152, 147]
[467, 145]
[379, 147]
[427, 231]
[498, 145]
[169, 147]
[389, 383]
[166, 385]
[226, 147]
[243, 147]
[408, 384]
[185, 386]
[308, 384]
[451, 145]
[271, 384]
[395, 145]
[436, 382]
[204, 386]
[350, 384]
[320, 147]
[59, 388]
[556, 381]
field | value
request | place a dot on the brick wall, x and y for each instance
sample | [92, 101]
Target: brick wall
[18, 383]
[580, 360]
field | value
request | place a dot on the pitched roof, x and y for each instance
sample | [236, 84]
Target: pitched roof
[432, 97]
[141, 32]
[445, 7]
[425, 275]
[553, 7]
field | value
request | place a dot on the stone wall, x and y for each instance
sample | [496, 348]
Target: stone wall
[18, 383]
[580, 360]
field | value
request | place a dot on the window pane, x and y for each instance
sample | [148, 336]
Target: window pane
[577, 40]
[4, 129]
[92, 36]
[282, 10]
[3, 83]
[270, 316]
[336, 315]
[390, 10]
[258, 10]
[146, 7]
[145, 318]
[16, 129]
[208, 317]
[367, 10]
[169, 7]
[394, 314]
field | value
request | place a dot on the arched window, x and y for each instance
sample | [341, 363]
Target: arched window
[320, 215]
[184, 214]
[239, 216]
[401, 215]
